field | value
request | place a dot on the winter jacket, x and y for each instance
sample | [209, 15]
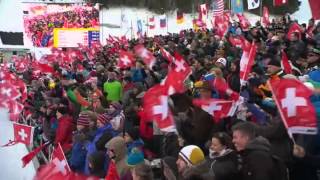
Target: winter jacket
[113, 90]
[224, 167]
[78, 157]
[199, 171]
[64, 132]
[138, 75]
[257, 163]
[118, 145]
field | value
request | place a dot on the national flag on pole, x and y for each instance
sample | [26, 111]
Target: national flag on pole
[180, 18]
[146, 55]
[315, 8]
[244, 22]
[203, 13]
[286, 64]
[218, 7]
[217, 108]
[152, 24]
[265, 16]
[126, 59]
[279, 2]
[59, 160]
[163, 21]
[253, 4]
[22, 134]
[246, 62]
[237, 6]
[292, 98]
[221, 24]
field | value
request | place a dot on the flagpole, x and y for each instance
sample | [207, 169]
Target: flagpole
[167, 23]
[147, 26]
[261, 13]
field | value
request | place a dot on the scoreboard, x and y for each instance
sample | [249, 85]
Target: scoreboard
[72, 37]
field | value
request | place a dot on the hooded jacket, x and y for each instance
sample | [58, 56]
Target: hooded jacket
[257, 163]
[224, 167]
[119, 147]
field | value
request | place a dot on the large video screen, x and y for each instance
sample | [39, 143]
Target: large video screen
[40, 20]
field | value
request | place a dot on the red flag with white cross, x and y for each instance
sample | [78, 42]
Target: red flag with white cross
[217, 108]
[292, 98]
[60, 161]
[126, 59]
[23, 134]
[156, 107]
[146, 55]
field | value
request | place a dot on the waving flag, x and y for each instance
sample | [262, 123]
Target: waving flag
[253, 4]
[155, 105]
[244, 22]
[146, 55]
[246, 63]
[237, 6]
[203, 13]
[265, 17]
[221, 24]
[167, 55]
[286, 64]
[58, 158]
[126, 59]
[218, 7]
[293, 101]
[315, 8]
[217, 108]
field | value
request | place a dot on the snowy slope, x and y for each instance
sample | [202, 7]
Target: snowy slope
[10, 157]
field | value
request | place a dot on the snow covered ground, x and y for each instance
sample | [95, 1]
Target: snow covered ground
[10, 157]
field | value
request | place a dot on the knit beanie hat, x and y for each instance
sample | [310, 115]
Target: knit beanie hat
[83, 119]
[135, 157]
[134, 133]
[192, 154]
[104, 118]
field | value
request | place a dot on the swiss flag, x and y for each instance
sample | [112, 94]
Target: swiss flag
[126, 59]
[146, 55]
[166, 55]
[174, 82]
[286, 64]
[222, 24]
[47, 172]
[223, 88]
[6, 75]
[279, 2]
[112, 173]
[156, 107]
[217, 108]
[295, 27]
[246, 62]
[244, 22]
[60, 161]
[265, 17]
[180, 65]
[15, 108]
[23, 133]
[203, 14]
[8, 91]
[292, 98]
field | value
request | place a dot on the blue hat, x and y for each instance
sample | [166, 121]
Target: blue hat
[315, 75]
[135, 157]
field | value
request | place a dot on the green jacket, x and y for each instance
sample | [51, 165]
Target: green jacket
[114, 90]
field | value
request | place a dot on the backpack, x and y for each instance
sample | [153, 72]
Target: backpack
[280, 168]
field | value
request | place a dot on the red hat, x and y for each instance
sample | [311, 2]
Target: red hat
[103, 118]
[83, 120]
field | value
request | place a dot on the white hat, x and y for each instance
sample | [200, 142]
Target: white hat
[222, 61]
[192, 154]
